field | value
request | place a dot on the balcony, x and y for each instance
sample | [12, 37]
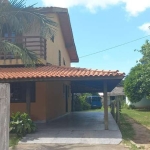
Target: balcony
[36, 44]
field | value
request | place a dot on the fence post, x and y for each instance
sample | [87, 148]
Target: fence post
[118, 107]
[112, 109]
[4, 116]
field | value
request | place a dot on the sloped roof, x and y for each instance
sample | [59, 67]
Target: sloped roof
[116, 91]
[66, 28]
[52, 71]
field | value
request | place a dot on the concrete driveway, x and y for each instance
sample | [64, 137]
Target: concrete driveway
[77, 127]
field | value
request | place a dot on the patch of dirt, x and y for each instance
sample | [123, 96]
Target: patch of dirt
[142, 135]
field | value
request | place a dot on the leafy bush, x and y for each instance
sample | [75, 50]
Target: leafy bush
[132, 107]
[21, 124]
[80, 103]
[125, 106]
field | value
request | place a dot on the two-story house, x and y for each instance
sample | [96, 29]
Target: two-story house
[46, 91]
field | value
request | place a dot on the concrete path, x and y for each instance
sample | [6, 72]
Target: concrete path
[77, 127]
[67, 147]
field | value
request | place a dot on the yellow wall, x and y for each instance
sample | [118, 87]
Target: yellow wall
[56, 102]
[38, 111]
[50, 101]
[53, 48]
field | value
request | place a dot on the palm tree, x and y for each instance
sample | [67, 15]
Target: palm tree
[16, 18]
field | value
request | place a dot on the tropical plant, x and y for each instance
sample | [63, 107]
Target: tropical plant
[21, 124]
[137, 83]
[16, 18]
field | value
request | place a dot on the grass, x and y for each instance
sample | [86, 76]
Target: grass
[128, 133]
[141, 116]
[13, 140]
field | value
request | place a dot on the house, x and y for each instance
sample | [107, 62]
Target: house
[46, 91]
[143, 103]
[116, 93]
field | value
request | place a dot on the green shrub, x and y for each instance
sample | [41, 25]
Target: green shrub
[80, 103]
[132, 106]
[125, 106]
[21, 124]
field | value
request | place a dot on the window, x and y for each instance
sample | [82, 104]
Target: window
[9, 36]
[18, 92]
[59, 55]
[64, 63]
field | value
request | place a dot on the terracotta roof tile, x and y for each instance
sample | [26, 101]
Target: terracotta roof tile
[53, 71]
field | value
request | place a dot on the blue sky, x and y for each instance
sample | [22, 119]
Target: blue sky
[102, 24]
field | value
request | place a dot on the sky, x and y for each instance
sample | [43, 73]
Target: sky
[102, 25]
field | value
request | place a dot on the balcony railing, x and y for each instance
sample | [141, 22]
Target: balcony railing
[36, 44]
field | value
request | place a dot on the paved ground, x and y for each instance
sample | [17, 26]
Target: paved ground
[77, 127]
[68, 147]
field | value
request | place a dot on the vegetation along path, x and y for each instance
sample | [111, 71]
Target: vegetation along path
[135, 128]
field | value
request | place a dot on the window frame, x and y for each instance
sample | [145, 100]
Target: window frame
[59, 57]
[21, 87]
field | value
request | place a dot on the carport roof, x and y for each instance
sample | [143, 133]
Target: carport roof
[52, 71]
[82, 79]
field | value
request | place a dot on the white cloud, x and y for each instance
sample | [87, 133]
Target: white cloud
[133, 7]
[145, 27]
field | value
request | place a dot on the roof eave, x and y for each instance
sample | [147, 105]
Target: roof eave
[66, 28]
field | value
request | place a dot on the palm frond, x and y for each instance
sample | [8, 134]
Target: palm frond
[29, 58]
[16, 18]
[21, 18]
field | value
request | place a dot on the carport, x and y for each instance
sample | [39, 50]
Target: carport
[74, 126]
[92, 84]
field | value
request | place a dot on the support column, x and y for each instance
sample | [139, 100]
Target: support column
[105, 106]
[72, 102]
[28, 98]
[4, 116]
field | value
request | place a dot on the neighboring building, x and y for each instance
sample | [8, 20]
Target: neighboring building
[144, 103]
[116, 93]
[46, 91]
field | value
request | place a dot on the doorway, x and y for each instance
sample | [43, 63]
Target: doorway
[66, 97]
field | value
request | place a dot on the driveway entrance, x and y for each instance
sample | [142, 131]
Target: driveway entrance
[77, 127]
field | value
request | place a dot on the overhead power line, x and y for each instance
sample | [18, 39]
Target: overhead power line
[114, 47]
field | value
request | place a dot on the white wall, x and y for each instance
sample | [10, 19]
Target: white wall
[144, 103]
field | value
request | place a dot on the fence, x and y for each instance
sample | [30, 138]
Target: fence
[115, 106]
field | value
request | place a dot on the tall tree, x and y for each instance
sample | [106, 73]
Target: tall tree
[137, 83]
[16, 18]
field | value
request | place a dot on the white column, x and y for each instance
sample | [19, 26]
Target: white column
[4, 115]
